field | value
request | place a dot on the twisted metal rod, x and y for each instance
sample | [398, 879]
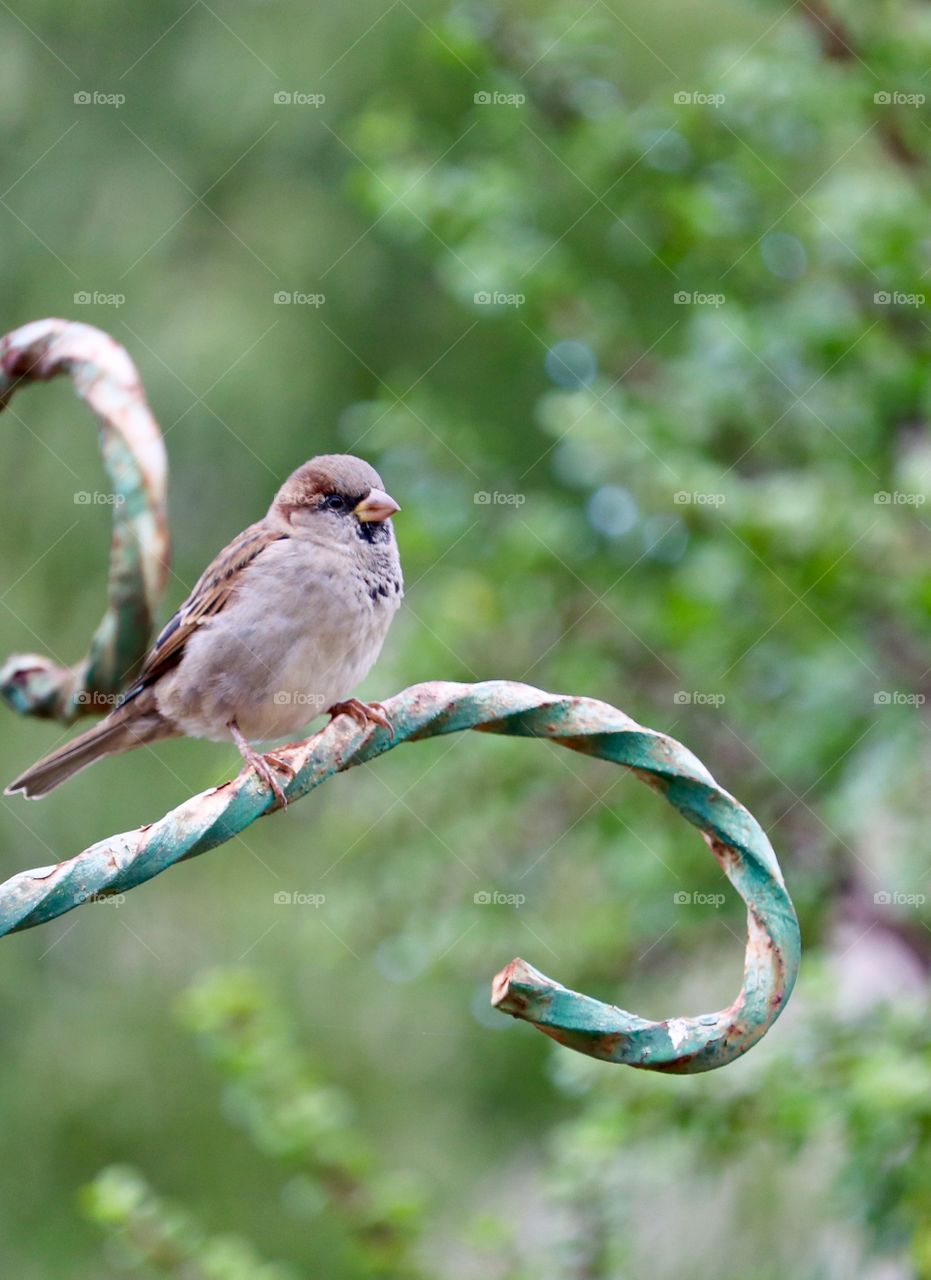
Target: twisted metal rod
[593, 728]
[134, 456]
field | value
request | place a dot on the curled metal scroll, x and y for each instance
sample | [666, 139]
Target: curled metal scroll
[134, 456]
[495, 706]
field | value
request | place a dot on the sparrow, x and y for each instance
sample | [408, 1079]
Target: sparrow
[279, 628]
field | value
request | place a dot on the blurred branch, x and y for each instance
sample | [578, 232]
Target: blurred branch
[151, 1233]
[835, 40]
[292, 1113]
[134, 455]
[837, 44]
[497, 706]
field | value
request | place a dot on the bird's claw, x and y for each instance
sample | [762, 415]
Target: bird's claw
[364, 713]
[264, 766]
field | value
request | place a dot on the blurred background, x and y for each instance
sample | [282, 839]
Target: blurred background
[627, 305]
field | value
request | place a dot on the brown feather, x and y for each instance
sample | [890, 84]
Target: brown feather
[129, 726]
[305, 498]
[211, 591]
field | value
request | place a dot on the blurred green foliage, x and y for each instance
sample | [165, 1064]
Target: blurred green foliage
[148, 1234]
[651, 281]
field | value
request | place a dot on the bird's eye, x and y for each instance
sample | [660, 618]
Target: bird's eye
[334, 502]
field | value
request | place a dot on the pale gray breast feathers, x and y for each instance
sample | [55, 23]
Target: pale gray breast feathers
[302, 629]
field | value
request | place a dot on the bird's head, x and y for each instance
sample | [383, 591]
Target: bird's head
[337, 496]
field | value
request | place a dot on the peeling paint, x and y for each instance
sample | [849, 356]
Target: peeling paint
[679, 1029]
[679, 1045]
[134, 456]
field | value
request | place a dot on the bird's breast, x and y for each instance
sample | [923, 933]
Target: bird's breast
[299, 634]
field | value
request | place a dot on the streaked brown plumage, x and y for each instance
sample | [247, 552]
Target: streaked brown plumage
[280, 627]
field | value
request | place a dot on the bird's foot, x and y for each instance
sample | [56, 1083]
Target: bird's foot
[264, 765]
[364, 713]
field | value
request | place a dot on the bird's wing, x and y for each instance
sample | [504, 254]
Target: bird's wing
[211, 592]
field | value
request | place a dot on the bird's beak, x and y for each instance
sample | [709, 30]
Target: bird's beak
[377, 506]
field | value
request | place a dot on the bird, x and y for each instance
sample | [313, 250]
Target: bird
[280, 627]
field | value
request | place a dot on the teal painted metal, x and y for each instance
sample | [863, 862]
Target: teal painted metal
[134, 457]
[681, 1045]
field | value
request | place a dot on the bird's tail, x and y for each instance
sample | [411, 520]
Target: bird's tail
[133, 725]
